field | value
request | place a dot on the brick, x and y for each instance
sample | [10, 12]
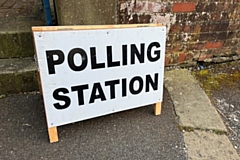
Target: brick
[215, 27]
[225, 16]
[234, 26]
[177, 47]
[127, 19]
[234, 50]
[186, 28]
[176, 28]
[134, 18]
[144, 18]
[175, 56]
[196, 46]
[204, 16]
[122, 19]
[221, 52]
[202, 57]
[167, 60]
[208, 36]
[205, 55]
[223, 26]
[188, 57]
[196, 28]
[159, 7]
[196, 55]
[233, 16]
[182, 17]
[144, 7]
[194, 17]
[172, 38]
[200, 6]
[222, 36]
[231, 42]
[216, 16]
[168, 49]
[238, 34]
[194, 37]
[184, 7]
[231, 34]
[210, 45]
[237, 18]
[122, 7]
[211, 7]
[227, 7]
[213, 36]
[205, 27]
[181, 57]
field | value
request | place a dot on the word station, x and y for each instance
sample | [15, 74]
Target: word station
[153, 55]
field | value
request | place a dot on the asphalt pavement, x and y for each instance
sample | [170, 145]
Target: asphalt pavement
[133, 134]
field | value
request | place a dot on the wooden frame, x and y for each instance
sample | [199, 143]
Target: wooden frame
[52, 132]
[90, 27]
[158, 108]
[53, 135]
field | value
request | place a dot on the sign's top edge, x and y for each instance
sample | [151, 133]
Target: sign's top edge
[90, 27]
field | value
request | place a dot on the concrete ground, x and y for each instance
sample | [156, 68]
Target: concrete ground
[188, 128]
[221, 83]
[206, 133]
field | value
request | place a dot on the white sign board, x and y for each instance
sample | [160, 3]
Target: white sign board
[90, 73]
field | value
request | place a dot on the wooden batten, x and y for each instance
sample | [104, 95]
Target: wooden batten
[90, 27]
[158, 108]
[53, 135]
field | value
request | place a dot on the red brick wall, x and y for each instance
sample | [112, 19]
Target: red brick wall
[20, 8]
[197, 30]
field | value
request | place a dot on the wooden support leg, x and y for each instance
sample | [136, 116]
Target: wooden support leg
[158, 108]
[53, 135]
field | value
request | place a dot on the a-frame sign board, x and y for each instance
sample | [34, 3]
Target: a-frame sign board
[90, 71]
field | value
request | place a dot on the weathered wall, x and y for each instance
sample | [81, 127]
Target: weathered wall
[88, 12]
[198, 30]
